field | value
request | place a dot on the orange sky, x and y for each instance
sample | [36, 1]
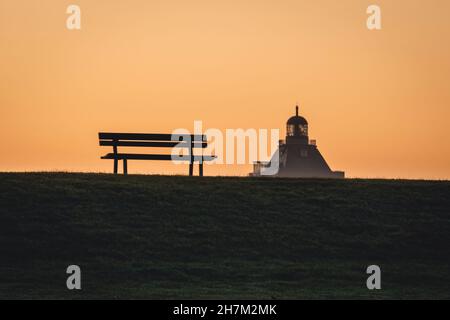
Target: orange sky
[378, 102]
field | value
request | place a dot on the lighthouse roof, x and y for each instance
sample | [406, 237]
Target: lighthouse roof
[297, 120]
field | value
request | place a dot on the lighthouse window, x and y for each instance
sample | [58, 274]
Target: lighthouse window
[303, 130]
[297, 130]
[290, 130]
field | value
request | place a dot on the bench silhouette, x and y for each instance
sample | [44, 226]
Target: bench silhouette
[156, 140]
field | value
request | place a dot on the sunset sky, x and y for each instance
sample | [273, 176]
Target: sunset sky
[378, 102]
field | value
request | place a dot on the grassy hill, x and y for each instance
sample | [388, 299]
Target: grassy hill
[190, 237]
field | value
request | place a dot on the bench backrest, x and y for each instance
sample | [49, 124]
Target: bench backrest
[160, 140]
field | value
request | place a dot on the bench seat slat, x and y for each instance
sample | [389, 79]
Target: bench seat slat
[134, 156]
[160, 144]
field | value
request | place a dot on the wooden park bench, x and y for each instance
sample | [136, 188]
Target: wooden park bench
[156, 140]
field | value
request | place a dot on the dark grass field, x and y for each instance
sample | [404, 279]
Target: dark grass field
[163, 237]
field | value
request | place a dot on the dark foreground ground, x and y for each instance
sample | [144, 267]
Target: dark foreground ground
[180, 237]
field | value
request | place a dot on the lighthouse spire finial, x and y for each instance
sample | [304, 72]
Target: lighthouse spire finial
[296, 110]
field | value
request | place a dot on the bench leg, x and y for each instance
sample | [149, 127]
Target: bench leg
[116, 163]
[125, 166]
[200, 169]
[191, 169]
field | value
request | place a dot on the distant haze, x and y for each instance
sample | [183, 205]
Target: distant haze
[378, 102]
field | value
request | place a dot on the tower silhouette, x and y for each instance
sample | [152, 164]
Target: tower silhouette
[298, 156]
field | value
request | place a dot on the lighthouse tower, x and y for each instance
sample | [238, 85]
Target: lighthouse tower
[298, 157]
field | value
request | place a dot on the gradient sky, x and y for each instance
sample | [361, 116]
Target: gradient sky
[378, 102]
